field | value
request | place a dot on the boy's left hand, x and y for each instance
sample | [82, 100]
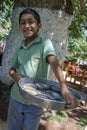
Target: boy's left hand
[72, 101]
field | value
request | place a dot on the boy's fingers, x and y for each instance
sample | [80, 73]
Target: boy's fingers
[73, 104]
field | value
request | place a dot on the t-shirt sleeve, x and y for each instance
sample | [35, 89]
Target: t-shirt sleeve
[48, 48]
[14, 61]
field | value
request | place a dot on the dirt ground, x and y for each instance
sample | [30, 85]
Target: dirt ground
[76, 115]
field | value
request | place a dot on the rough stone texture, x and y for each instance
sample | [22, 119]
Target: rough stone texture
[50, 4]
[55, 26]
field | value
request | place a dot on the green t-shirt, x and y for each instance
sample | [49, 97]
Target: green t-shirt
[31, 61]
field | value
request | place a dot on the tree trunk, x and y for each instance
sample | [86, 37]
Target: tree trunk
[55, 23]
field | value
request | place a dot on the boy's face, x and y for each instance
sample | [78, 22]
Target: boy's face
[29, 25]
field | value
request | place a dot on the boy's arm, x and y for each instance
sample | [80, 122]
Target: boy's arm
[14, 74]
[72, 102]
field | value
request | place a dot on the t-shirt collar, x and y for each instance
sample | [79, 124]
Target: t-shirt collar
[36, 40]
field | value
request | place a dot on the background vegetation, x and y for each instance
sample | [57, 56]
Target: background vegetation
[6, 7]
[77, 43]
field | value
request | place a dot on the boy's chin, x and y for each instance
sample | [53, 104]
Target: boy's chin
[29, 36]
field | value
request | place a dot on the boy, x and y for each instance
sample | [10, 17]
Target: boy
[32, 59]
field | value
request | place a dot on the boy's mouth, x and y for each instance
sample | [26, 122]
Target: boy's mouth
[28, 31]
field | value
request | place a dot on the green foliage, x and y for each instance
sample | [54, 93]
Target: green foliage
[77, 48]
[76, 28]
[59, 117]
[77, 45]
[71, 59]
[5, 16]
[82, 123]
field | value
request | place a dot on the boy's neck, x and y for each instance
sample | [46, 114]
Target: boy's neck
[29, 40]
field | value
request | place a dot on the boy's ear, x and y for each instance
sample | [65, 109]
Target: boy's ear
[40, 25]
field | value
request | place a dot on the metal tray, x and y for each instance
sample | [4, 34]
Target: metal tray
[44, 93]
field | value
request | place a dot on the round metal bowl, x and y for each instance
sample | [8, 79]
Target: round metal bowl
[44, 93]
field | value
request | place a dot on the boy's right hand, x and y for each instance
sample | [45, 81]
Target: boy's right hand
[13, 73]
[18, 77]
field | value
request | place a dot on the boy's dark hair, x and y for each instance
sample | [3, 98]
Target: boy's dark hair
[30, 11]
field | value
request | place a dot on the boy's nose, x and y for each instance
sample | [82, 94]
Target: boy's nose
[27, 25]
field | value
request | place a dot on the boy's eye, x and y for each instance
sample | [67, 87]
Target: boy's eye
[22, 23]
[28, 22]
